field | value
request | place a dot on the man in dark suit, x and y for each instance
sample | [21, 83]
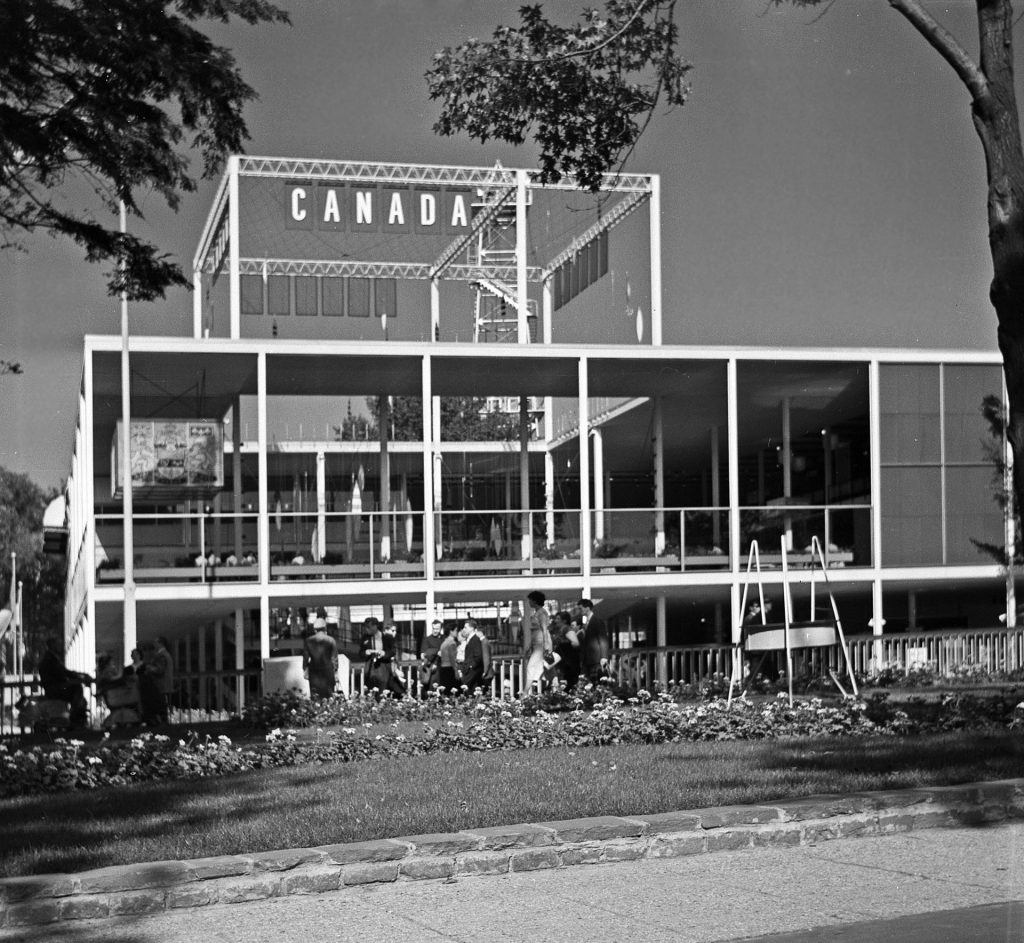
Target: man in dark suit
[473, 664]
[596, 649]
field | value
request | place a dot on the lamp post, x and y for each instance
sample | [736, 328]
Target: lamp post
[126, 462]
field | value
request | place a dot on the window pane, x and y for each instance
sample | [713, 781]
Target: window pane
[334, 296]
[911, 519]
[252, 294]
[385, 297]
[358, 297]
[967, 433]
[305, 295]
[971, 513]
[909, 398]
[277, 295]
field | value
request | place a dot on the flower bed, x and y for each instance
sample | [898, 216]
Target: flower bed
[484, 725]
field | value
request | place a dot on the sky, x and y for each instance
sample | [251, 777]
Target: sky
[822, 186]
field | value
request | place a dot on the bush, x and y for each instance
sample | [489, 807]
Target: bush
[485, 725]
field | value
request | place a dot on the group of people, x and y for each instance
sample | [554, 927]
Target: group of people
[146, 684]
[559, 650]
[456, 659]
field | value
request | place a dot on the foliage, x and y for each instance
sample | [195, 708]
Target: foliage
[489, 725]
[102, 96]
[584, 93]
[22, 505]
[463, 419]
[9, 367]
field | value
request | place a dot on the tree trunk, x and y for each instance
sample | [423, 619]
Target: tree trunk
[996, 121]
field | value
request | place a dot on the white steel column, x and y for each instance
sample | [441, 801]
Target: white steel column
[548, 309]
[1009, 519]
[234, 270]
[716, 484]
[218, 664]
[525, 524]
[655, 239]
[435, 313]
[429, 538]
[197, 304]
[787, 468]
[597, 436]
[236, 474]
[384, 502]
[264, 518]
[658, 446]
[522, 308]
[586, 542]
[549, 461]
[875, 447]
[732, 432]
[239, 659]
[127, 506]
[321, 504]
[661, 638]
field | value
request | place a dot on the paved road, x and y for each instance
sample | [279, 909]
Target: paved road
[958, 885]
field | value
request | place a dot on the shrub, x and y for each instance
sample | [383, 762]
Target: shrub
[485, 725]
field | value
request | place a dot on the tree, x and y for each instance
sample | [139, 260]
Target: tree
[463, 419]
[22, 505]
[9, 366]
[104, 97]
[502, 89]
[584, 93]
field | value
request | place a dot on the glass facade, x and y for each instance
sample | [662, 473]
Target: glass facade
[937, 490]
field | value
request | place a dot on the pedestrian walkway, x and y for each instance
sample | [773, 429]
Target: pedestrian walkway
[822, 891]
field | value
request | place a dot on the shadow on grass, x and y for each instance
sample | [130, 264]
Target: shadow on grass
[73, 831]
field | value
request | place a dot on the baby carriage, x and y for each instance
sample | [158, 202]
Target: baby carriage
[122, 701]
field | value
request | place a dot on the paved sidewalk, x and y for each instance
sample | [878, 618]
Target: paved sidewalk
[834, 889]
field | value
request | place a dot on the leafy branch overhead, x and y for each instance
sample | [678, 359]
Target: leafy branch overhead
[107, 97]
[583, 93]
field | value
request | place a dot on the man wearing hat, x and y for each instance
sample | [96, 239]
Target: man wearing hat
[596, 650]
[320, 656]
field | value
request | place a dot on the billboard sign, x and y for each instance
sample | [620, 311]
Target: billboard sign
[172, 455]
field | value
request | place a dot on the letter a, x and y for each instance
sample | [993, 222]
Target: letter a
[396, 216]
[459, 216]
[332, 212]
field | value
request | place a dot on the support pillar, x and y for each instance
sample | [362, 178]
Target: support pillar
[658, 447]
[236, 477]
[661, 639]
[321, 506]
[384, 427]
[525, 525]
[239, 660]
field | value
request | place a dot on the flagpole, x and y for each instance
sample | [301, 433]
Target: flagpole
[127, 509]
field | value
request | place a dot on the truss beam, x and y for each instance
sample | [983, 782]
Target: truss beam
[613, 217]
[418, 173]
[456, 248]
[405, 270]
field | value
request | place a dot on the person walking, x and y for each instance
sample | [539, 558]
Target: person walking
[429, 657]
[320, 659]
[596, 649]
[536, 642]
[447, 676]
[473, 659]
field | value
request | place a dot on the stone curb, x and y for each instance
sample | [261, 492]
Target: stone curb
[167, 885]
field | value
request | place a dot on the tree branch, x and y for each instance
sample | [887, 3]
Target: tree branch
[945, 43]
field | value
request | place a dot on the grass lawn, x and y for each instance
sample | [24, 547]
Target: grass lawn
[322, 804]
